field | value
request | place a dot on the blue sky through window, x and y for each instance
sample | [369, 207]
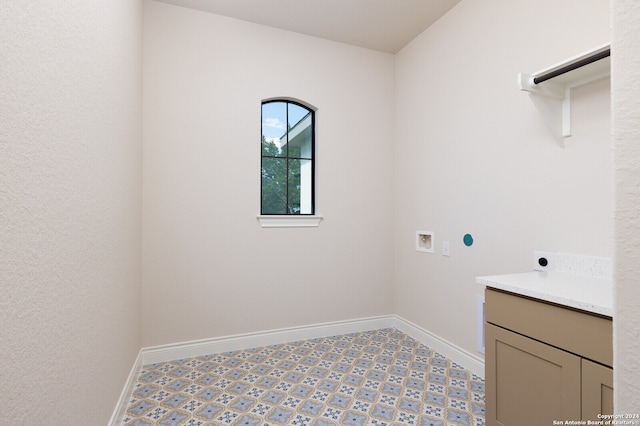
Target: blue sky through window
[274, 118]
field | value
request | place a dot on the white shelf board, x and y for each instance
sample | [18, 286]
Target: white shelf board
[552, 97]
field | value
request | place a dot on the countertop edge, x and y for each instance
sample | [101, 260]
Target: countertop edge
[493, 282]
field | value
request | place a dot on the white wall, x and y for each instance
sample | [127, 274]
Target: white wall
[473, 155]
[70, 182]
[209, 269]
[626, 121]
[70, 155]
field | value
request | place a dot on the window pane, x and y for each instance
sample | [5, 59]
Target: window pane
[300, 132]
[274, 185]
[274, 129]
[296, 114]
[300, 187]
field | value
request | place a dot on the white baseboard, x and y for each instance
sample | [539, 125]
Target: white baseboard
[471, 362]
[164, 353]
[192, 349]
[123, 401]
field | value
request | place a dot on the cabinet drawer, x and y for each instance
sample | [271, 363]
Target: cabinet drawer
[590, 336]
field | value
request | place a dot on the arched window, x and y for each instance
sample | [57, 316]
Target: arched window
[287, 166]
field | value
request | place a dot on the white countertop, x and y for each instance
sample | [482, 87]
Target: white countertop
[575, 291]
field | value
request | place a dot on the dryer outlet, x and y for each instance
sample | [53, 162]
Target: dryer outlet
[544, 261]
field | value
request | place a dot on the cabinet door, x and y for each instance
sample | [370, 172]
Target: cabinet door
[597, 390]
[529, 383]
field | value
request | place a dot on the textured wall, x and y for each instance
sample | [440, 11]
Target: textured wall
[473, 155]
[626, 123]
[70, 156]
[209, 269]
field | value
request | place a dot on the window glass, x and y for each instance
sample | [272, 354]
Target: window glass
[287, 158]
[274, 129]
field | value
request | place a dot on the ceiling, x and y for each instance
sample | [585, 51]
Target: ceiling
[384, 25]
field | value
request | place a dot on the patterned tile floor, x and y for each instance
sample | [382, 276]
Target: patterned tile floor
[381, 377]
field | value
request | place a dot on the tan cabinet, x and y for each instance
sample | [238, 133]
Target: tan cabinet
[597, 390]
[544, 362]
[528, 382]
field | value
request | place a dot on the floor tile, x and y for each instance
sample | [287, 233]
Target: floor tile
[380, 377]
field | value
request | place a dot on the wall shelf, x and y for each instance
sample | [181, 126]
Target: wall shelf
[552, 97]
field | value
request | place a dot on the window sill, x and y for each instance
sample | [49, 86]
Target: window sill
[289, 221]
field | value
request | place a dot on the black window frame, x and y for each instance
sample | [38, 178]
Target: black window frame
[312, 112]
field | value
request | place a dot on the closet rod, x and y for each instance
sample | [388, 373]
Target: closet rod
[581, 63]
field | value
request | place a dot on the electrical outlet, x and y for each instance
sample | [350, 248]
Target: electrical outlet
[544, 261]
